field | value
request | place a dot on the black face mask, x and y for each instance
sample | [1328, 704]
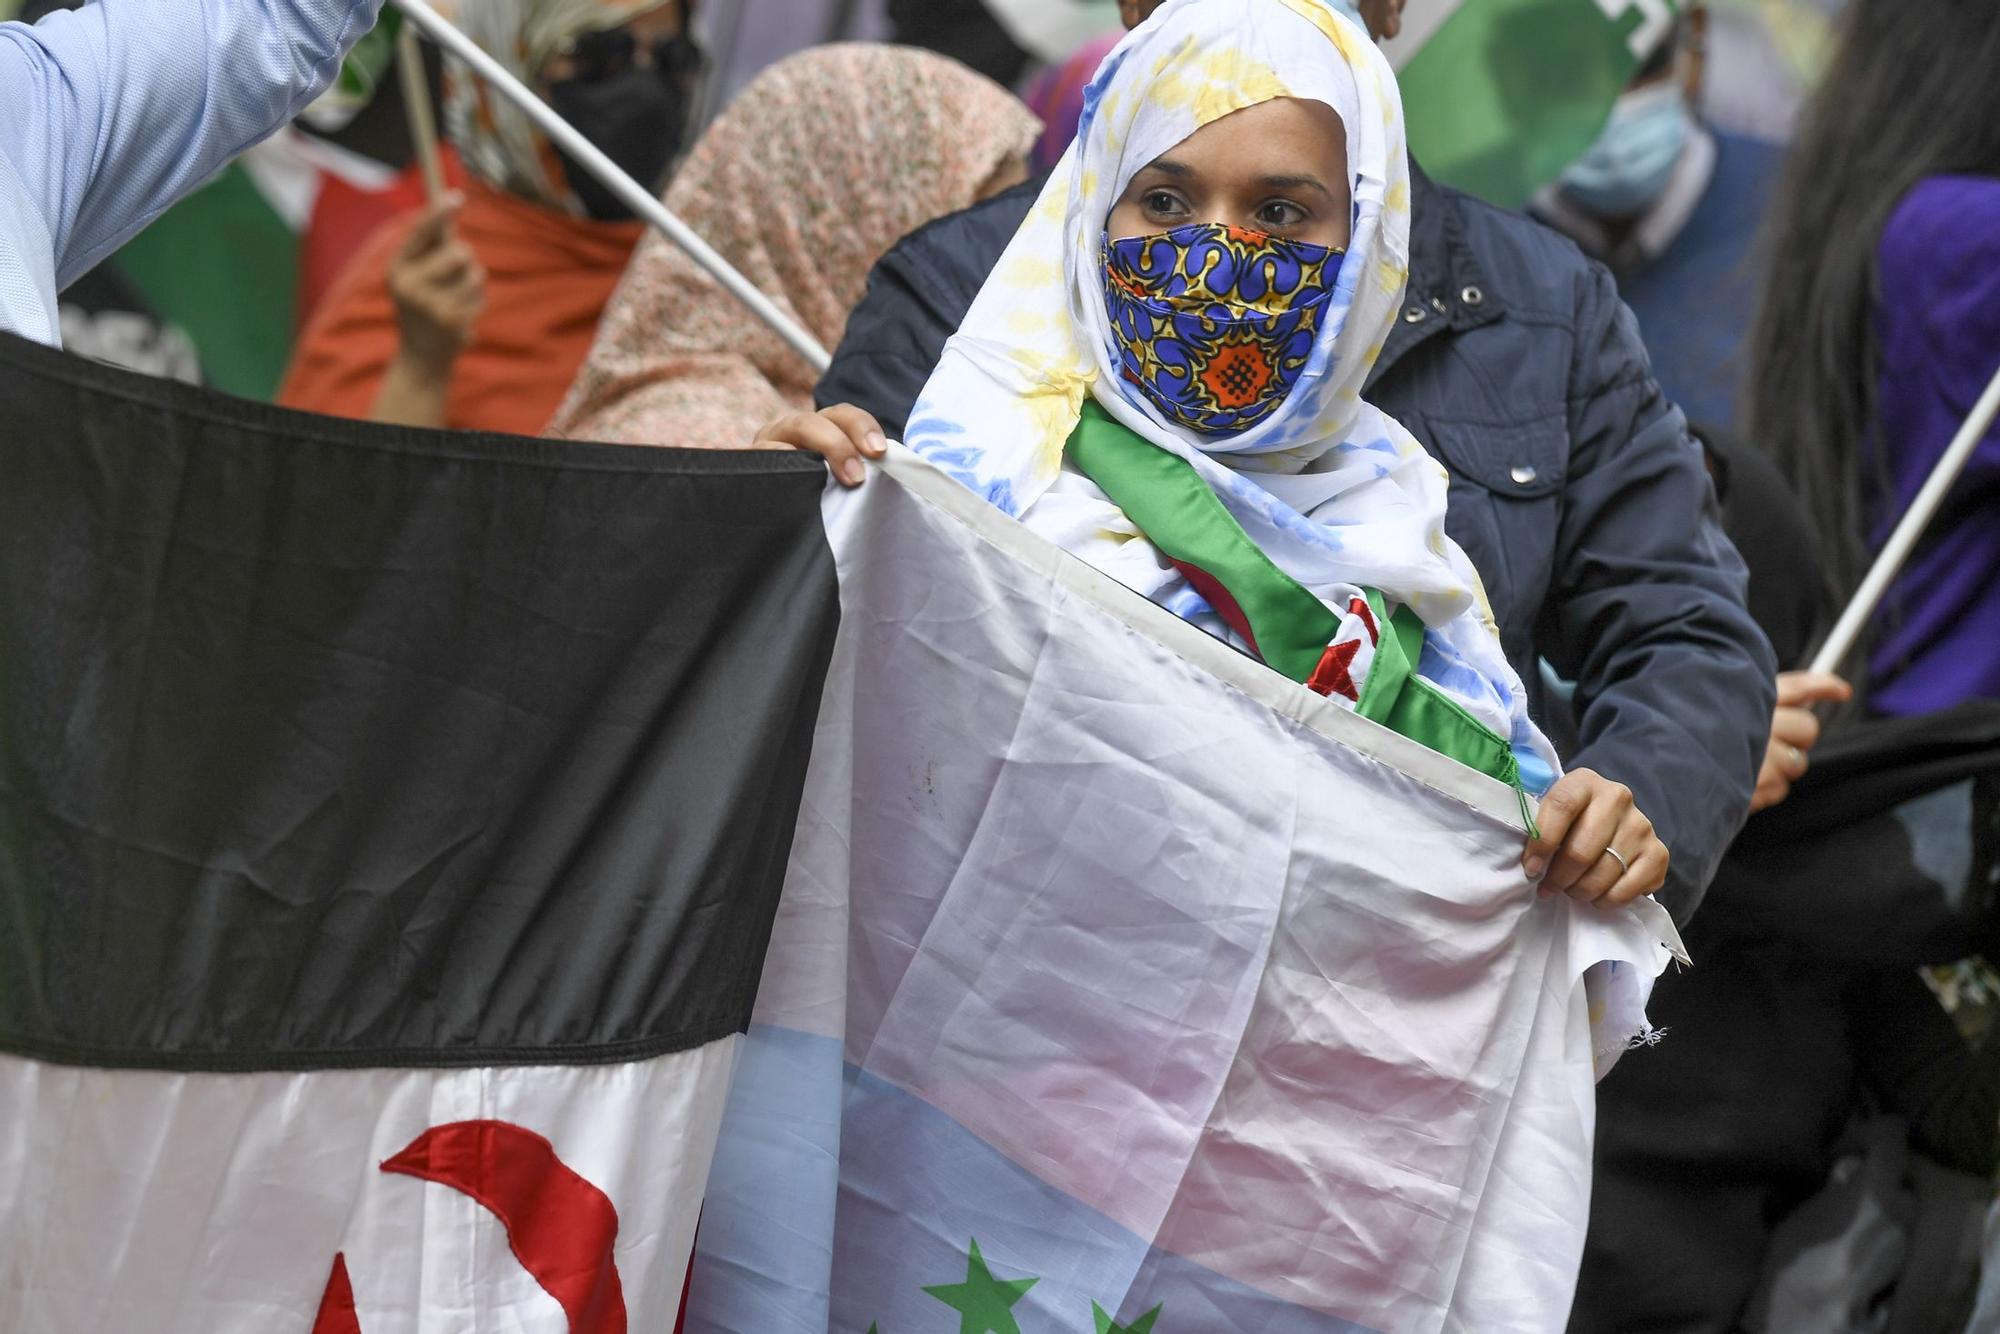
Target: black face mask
[635, 117]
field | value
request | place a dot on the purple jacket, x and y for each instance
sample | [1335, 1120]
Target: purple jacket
[1937, 320]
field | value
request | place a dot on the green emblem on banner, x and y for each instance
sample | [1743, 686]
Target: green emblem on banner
[1501, 95]
[1106, 1325]
[985, 1304]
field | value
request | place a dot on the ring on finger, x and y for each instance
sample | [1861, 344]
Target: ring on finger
[1616, 856]
[1798, 756]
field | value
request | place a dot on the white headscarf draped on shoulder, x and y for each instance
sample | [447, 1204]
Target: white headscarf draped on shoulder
[1335, 492]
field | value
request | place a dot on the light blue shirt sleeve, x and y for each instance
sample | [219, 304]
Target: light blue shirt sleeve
[110, 113]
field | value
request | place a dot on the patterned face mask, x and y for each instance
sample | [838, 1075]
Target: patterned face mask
[1214, 323]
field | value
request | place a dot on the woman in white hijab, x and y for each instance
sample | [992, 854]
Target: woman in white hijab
[1163, 376]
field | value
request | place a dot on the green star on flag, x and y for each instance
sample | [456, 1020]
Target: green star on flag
[984, 1303]
[1106, 1325]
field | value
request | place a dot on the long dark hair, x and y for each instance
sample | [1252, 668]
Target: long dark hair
[1913, 91]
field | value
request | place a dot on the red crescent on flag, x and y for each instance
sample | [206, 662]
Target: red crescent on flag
[560, 1226]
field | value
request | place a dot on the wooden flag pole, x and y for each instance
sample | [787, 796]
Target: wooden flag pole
[417, 109]
[642, 201]
[1847, 630]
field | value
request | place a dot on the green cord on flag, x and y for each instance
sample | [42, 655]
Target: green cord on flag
[1181, 516]
[1396, 697]
[1179, 513]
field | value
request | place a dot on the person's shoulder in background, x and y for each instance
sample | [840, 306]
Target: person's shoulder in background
[917, 297]
[1939, 285]
[1943, 218]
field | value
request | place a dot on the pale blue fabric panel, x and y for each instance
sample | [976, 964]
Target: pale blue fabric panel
[110, 113]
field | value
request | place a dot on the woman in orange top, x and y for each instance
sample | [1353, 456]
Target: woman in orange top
[476, 314]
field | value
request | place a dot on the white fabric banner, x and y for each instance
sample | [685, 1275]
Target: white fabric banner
[1114, 974]
[1116, 967]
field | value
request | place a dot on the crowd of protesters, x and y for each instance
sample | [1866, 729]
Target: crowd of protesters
[1681, 399]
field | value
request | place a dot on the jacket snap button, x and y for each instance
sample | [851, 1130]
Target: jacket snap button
[1414, 315]
[1472, 296]
[1522, 474]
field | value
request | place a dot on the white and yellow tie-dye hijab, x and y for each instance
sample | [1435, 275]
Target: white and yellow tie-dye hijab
[1335, 492]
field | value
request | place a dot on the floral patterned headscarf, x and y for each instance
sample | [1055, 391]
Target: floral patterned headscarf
[1335, 492]
[818, 167]
[495, 138]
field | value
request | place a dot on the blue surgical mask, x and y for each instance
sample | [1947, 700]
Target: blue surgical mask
[1628, 167]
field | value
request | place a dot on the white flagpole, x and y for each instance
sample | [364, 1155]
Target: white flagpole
[643, 202]
[1901, 542]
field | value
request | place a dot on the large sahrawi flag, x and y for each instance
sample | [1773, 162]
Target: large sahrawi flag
[394, 833]
[390, 828]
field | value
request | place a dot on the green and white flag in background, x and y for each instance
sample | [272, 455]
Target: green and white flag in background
[223, 263]
[1500, 95]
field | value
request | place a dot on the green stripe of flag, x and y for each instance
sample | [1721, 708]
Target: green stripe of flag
[223, 265]
[1178, 512]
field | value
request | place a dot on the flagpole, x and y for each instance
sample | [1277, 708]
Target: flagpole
[643, 202]
[417, 111]
[1847, 630]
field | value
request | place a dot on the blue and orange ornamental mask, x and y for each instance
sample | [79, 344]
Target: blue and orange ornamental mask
[1214, 323]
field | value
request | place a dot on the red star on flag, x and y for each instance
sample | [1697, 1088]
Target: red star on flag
[1331, 676]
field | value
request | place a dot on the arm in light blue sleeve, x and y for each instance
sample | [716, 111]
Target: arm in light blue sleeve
[110, 113]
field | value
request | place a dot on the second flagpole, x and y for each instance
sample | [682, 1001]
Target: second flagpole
[1847, 631]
